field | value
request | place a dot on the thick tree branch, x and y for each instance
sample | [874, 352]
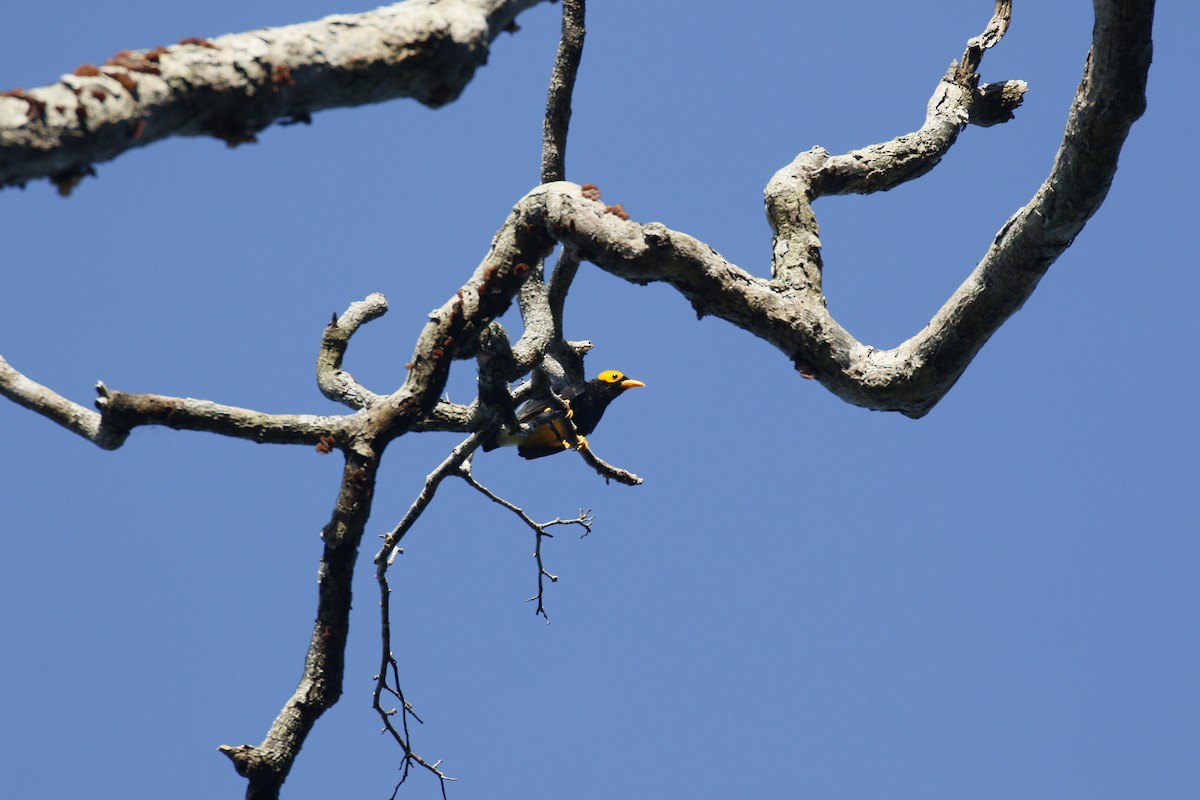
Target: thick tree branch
[1110, 98]
[542, 306]
[233, 86]
[363, 437]
[123, 412]
[266, 766]
[454, 330]
[789, 310]
[120, 413]
[460, 321]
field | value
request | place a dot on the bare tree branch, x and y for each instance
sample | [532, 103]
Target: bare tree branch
[458, 456]
[996, 28]
[337, 385]
[606, 470]
[387, 680]
[585, 520]
[562, 85]
[266, 766]
[561, 278]
[789, 310]
[363, 436]
[42, 400]
[233, 86]
[121, 412]
[789, 195]
[541, 344]
[541, 308]
[462, 319]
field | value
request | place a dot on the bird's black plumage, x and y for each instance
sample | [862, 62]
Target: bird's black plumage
[546, 432]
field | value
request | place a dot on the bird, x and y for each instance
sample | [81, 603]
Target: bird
[545, 432]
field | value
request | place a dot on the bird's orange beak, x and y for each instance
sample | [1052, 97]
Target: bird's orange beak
[630, 383]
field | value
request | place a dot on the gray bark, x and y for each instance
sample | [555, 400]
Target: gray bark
[233, 86]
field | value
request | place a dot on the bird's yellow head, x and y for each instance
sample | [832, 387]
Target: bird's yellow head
[617, 378]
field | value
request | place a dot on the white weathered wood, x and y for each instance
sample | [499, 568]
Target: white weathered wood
[233, 86]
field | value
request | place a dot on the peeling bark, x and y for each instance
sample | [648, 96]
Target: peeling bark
[231, 87]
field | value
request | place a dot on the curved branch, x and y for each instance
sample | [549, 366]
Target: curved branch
[1110, 98]
[789, 310]
[879, 167]
[454, 330]
[233, 86]
[334, 382]
[542, 306]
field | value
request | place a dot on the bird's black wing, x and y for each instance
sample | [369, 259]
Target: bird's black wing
[534, 413]
[529, 411]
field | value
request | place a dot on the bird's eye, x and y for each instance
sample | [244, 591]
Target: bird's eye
[611, 376]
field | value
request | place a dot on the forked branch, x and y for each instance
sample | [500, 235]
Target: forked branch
[540, 532]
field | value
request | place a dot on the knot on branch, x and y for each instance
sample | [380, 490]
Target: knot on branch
[253, 763]
[496, 366]
[996, 28]
[994, 103]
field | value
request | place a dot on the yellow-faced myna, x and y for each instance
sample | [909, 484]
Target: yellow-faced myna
[548, 435]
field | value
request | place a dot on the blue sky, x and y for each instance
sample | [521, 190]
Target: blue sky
[804, 599]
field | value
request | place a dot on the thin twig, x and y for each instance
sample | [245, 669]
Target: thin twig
[606, 470]
[580, 445]
[448, 467]
[387, 680]
[585, 519]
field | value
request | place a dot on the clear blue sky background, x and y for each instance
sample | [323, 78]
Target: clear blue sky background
[805, 599]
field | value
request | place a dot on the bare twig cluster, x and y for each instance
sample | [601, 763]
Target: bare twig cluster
[585, 520]
[233, 86]
[387, 680]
